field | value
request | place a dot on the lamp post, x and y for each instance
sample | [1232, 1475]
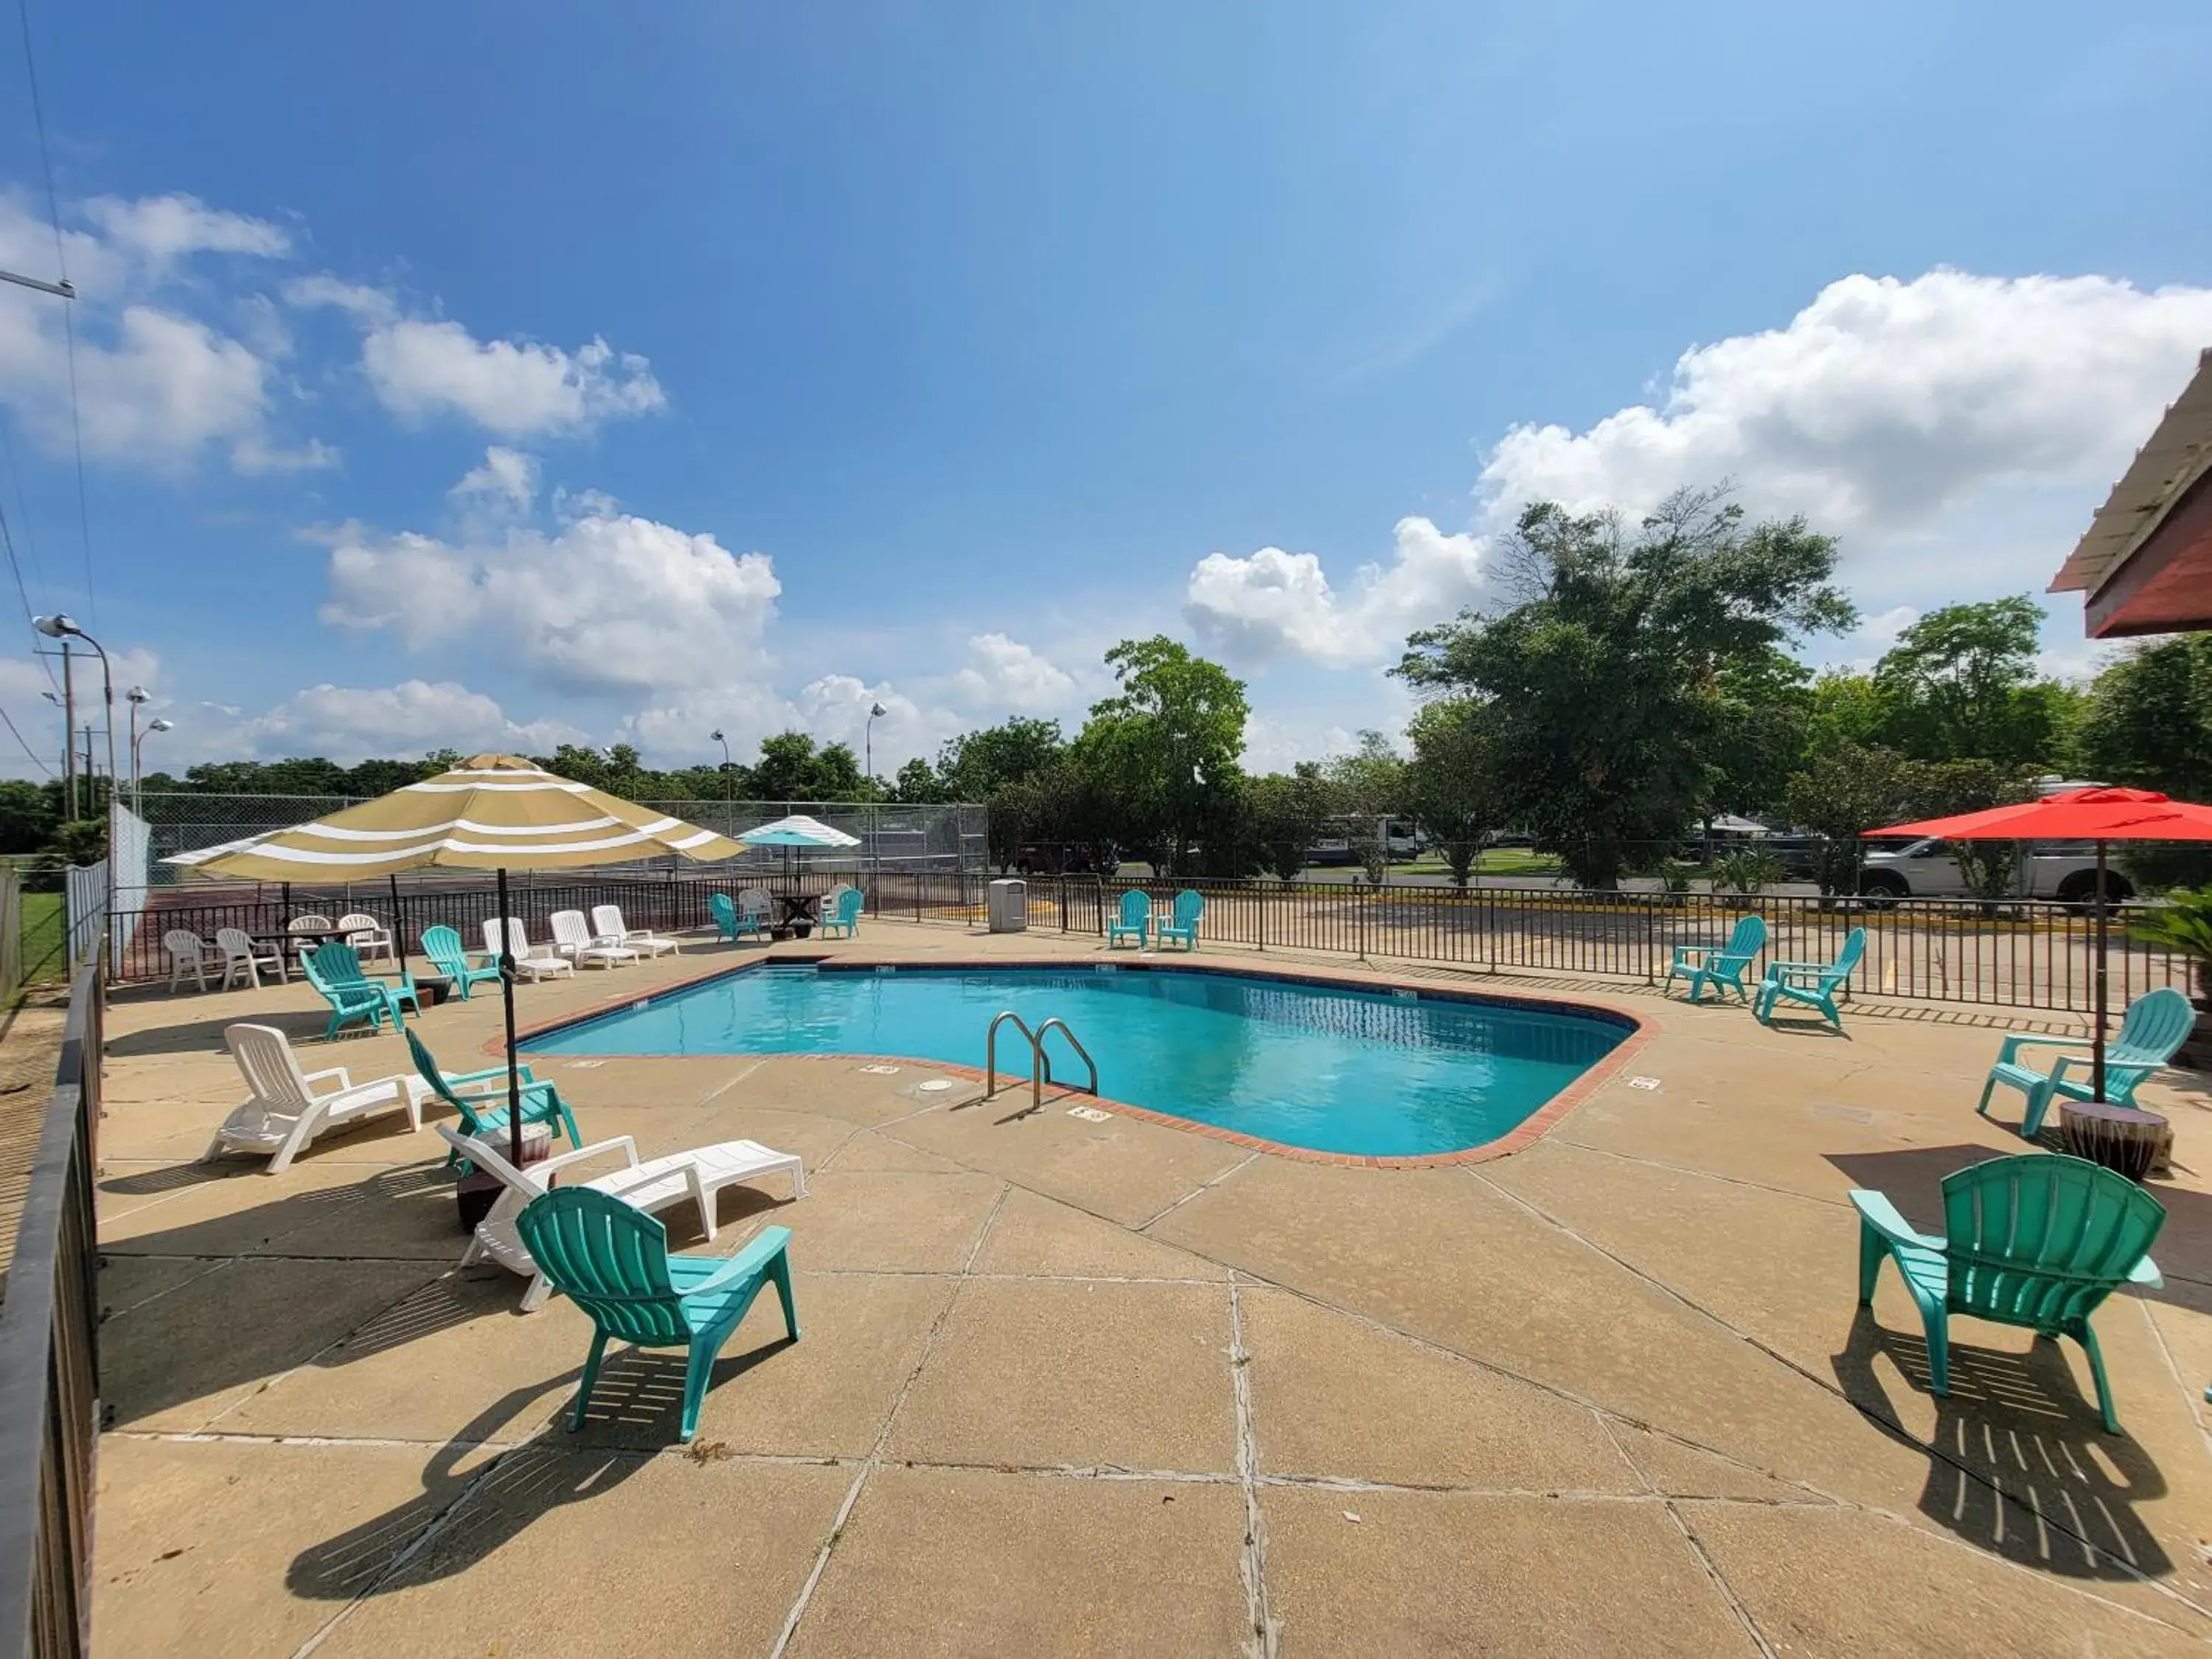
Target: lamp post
[60, 627]
[876, 711]
[138, 742]
[137, 697]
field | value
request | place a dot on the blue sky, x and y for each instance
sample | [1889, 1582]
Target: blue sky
[494, 374]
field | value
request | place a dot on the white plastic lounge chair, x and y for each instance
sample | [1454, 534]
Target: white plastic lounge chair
[243, 959]
[286, 1108]
[653, 1185]
[188, 954]
[607, 923]
[573, 938]
[536, 966]
[368, 936]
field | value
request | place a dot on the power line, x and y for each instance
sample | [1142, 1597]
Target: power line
[69, 324]
[8, 539]
[35, 759]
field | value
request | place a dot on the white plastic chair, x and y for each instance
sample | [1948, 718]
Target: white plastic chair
[188, 954]
[285, 1109]
[573, 938]
[654, 1185]
[243, 959]
[309, 930]
[754, 905]
[607, 923]
[368, 936]
[537, 967]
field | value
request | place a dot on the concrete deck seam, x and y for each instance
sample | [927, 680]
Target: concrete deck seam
[1260, 1632]
[268, 1382]
[874, 1460]
[728, 1083]
[1203, 1186]
[1720, 1582]
[215, 1264]
[2194, 1396]
[1895, 1431]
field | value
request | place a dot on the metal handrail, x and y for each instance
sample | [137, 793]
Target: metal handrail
[1045, 1060]
[991, 1049]
[1040, 1064]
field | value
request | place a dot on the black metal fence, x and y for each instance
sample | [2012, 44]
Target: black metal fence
[2022, 954]
[50, 1364]
[2032, 954]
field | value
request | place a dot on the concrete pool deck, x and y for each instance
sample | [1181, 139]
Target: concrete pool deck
[1112, 1386]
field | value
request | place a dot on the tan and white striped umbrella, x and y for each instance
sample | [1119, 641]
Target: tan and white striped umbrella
[490, 812]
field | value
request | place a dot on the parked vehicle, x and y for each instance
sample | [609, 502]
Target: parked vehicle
[1341, 840]
[2065, 870]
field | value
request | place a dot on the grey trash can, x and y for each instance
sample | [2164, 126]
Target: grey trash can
[1008, 906]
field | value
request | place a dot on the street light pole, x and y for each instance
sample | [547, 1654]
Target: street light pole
[137, 742]
[876, 711]
[135, 697]
[59, 627]
[729, 781]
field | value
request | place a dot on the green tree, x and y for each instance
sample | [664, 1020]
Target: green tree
[974, 765]
[1365, 787]
[917, 782]
[1288, 811]
[1846, 709]
[1940, 788]
[1961, 684]
[1844, 791]
[30, 813]
[2148, 723]
[1163, 753]
[1762, 728]
[1451, 787]
[1603, 684]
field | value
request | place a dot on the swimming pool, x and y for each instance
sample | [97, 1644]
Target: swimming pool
[1329, 1069]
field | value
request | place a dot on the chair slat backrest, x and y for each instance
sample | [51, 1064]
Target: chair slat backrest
[233, 941]
[607, 920]
[184, 943]
[569, 927]
[2157, 1022]
[724, 912]
[848, 905]
[610, 1258]
[753, 902]
[426, 1065]
[1846, 959]
[443, 946]
[1136, 907]
[338, 963]
[2041, 1239]
[310, 923]
[270, 1068]
[1746, 939]
[1189, 906]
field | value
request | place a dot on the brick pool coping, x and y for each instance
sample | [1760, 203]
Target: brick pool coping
[1639, 1030]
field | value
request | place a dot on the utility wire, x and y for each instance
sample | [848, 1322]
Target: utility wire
[8, 539]
[68, 323]
[36, 760]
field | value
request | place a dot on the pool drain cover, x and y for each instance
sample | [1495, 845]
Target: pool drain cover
[935, 1085]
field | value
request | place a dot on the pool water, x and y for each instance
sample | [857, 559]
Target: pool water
[1375, 1074]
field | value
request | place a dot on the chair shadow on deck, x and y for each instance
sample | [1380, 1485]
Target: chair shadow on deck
[477, 1507]
[2019, 1463]
[304, 1027]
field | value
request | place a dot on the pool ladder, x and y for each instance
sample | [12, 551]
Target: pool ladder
[1040, 1062]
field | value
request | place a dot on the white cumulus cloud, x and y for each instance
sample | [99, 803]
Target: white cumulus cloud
[516, 388]
[351, 723]
[163, 229]
[1272, 604]
[1003, 672]
[605, 602]
[1885, 402]
[508, 479]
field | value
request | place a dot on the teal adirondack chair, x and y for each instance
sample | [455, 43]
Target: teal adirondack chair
[1812, 983]
[2156, 1023]
[732, 922]
[2037, 1240]
[612, 1262]
[451, 959]
[845, 914]
[1136, 920]
[334, 969]
[1183, 926]
[480, 1097]
[1720, 965]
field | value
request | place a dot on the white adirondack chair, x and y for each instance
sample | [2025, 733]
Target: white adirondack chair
[573, 938]
[653, 1185]
[368, 936]
[607, 922]
[537, 966]
[188, 954]
[243, 959]
[288, 1108]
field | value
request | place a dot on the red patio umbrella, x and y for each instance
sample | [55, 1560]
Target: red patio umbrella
[2101, 815]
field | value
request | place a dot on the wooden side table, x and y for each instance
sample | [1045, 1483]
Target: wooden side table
[2119, 1138]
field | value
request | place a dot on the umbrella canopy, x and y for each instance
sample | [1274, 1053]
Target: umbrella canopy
[799, 830]
[491, 812]
[2100, 814]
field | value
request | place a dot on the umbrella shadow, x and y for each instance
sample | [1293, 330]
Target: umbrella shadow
[468, 1510]
[205, 1036]
[2015, 1433]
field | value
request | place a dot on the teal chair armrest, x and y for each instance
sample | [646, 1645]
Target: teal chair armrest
[1684, 951]
[2145, 1272]
[765, 1248]
[2012, 1046]
[1879, 1214]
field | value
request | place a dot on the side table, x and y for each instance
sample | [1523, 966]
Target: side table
[2120, 1137]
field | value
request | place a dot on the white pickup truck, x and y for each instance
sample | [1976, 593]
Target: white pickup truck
[2066, 871]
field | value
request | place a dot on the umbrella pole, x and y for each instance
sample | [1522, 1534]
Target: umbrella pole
[398, 923]
[506, 999]
[2097, 1063]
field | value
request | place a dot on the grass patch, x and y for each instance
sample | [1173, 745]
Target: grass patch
[44, 938]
